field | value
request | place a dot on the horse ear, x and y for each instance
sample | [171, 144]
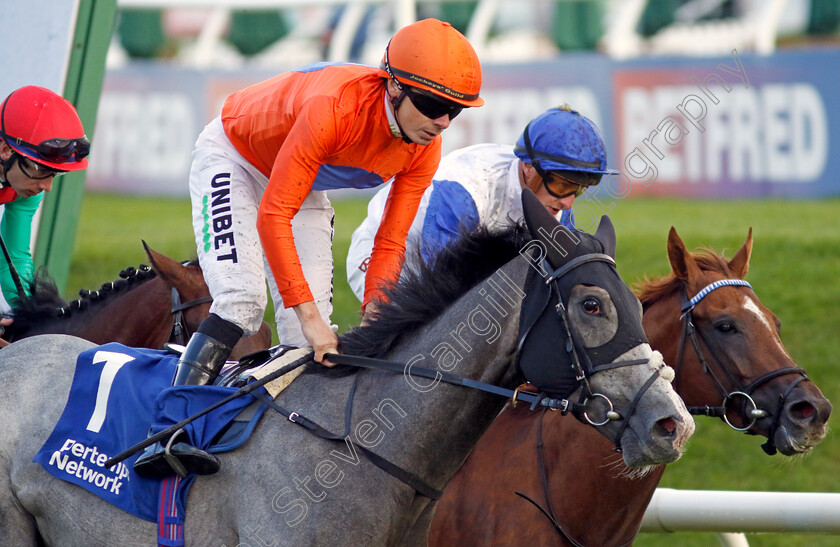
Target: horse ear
[682, 263]
[741, 262]
[543, 227]
[167, 268]
[606, 235]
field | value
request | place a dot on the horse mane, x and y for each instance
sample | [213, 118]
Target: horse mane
[425, 291]
[653, 290]
[44, 303]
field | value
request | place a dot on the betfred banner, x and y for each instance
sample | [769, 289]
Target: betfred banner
[734, 126]
[745, 127]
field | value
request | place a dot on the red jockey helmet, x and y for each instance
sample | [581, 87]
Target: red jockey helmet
[44, 127]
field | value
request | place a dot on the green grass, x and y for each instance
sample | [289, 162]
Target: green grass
[795, 269]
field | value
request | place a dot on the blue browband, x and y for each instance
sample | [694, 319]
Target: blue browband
[688, 306]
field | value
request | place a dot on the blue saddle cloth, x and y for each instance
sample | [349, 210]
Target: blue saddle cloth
[118, 394]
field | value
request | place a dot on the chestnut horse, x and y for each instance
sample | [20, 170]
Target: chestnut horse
[146, 308]
[522, 483]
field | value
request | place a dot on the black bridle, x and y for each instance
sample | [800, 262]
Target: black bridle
[580, 363]
[180, 332]
[740, 391]
[583, 369]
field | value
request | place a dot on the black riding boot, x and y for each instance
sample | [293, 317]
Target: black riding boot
[199, 365]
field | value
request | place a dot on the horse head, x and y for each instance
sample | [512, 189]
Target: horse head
[581, 337]
[729, 350]
[191, 302]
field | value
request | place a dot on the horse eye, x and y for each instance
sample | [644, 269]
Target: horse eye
[725, 327]
[591, 305]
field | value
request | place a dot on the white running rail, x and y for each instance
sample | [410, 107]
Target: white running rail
[733, 513]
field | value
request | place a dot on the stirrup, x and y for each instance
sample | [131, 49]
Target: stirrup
[159, 460]
[171, 459]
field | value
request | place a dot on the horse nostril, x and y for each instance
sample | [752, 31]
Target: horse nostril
[802, 411]
[668, 426]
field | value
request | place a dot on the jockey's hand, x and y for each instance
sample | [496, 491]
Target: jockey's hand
[316, 331]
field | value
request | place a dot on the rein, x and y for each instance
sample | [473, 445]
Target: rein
[410, 479]
[692, 333]
[12, 270]
[180, 332]
[548, 511]
[535, 399]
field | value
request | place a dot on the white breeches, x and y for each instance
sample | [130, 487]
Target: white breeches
[225, 191]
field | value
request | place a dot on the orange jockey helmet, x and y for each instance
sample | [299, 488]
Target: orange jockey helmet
[432, 56]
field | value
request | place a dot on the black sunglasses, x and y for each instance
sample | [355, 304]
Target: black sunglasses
[35, 170]
[431, 105]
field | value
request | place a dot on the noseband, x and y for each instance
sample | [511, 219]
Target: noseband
[751, 416]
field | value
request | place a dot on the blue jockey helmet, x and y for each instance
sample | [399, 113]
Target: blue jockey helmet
[560, 139]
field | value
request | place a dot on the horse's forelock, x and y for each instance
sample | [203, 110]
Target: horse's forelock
[425, 291]
[653, 290]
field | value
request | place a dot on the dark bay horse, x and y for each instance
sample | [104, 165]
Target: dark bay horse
[585, 496]
[146, 308]
[286, 486]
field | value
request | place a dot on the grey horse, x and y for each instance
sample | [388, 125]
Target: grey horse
[286, 486]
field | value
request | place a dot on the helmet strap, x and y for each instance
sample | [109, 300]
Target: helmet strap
[7, 166]
[535, 163]
[526, 177]
[395, 103]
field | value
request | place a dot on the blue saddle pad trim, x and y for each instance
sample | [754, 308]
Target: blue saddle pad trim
[116, 393]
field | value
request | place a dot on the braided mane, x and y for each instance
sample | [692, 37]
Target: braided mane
[44, 303]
